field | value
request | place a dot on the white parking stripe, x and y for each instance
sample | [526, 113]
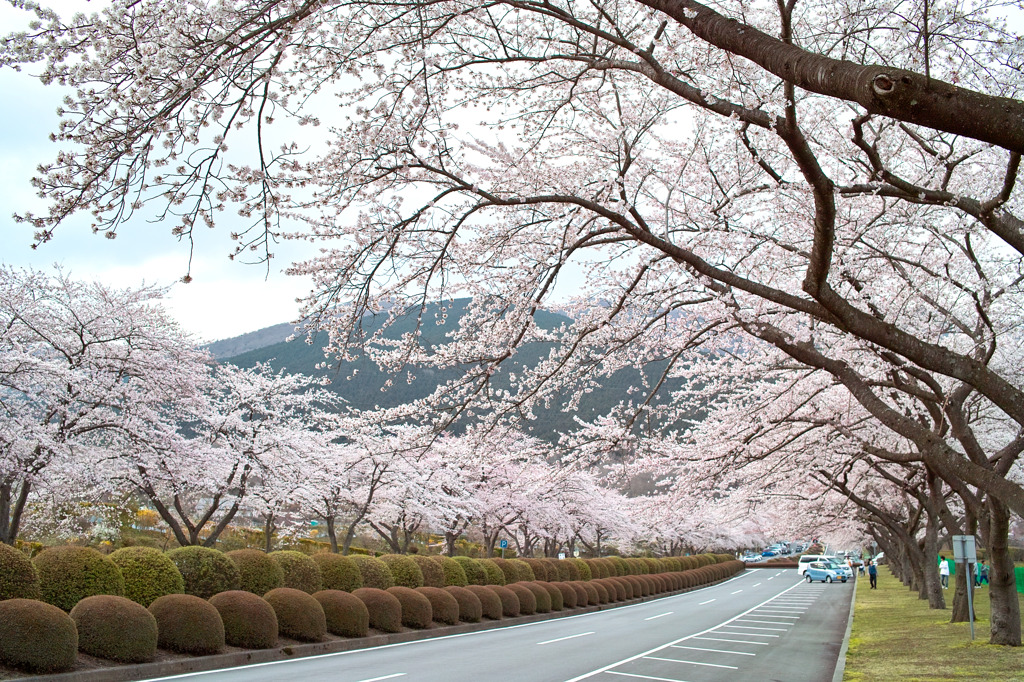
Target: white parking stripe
[766, 622]
[753, 627]
[643, 677]
[738, 641]
[676, 660]
[717, 651]
[745, 634]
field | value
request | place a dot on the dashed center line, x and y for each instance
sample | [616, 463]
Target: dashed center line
[756, 584]
[706, 602]
[385, 677]
[736, 592]
[562, 639]
[660, 615]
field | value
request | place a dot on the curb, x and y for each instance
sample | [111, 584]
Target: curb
[841, 662]
[144, 671]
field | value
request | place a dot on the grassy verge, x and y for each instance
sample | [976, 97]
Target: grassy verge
[895, 636]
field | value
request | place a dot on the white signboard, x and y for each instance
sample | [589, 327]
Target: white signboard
[964, 549]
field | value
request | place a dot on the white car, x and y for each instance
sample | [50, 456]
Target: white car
[806, 559]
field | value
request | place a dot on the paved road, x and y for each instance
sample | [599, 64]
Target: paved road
[763, 624]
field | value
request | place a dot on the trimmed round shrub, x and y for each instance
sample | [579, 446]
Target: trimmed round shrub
[249, 620]
[375, 573]
[490, 602]
[582, 568]
[206, 571]
[416, 610]
[616, 592]
[471, 609]
[625, 586]
[540, 569]
[338, 572]
[621, 567]
[509, 601]
[569, 600]
[257, 571]
[404, 571]
[552, 570]
[602, 592]
[522, 570]
[582, 596]
[475, 573]
[299, 616]
[453, 572]
[346, 613]
[188, 624]
[508, 572]
[443, 605]
[384, 609]
[653, 565]
[527, 602]
[540, 596]
[597, 569]
[593, 596]
[18, 577]
[69, 574]
[115, 628]
[495, 576]
[300, 571]
[36, 637]
[430, 567]
[148, 574]
[554, 595]
[570, 568]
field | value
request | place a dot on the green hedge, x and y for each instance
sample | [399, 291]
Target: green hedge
[115, 628]
[375, 573]
[36, 637]
[475, 573]
[69, 574]
[404, 571]
[18, 577]
[300, 571]
[148, 573]
[452, 572]
[205, 571]
[249, 621]
[257, 571]
[338, 572]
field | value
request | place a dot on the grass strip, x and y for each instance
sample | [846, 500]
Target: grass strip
[895, 636]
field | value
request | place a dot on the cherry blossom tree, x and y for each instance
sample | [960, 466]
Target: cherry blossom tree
[78, 363]
[845, 191]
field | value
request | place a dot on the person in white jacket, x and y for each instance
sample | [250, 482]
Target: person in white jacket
[944, 572]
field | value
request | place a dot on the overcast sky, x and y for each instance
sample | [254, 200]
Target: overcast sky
[224, 299]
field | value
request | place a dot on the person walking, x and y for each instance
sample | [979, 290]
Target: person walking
[944, 572]
[873, 574]
[982, 573]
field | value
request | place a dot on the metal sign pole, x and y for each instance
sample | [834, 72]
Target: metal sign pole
[965, 552]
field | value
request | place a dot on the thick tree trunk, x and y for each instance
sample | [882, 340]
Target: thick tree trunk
[932, 583]
[1002, 589]
[332, 533]
[268, 533]
[12, 505]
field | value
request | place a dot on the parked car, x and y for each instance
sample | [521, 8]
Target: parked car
[806, 560]
[768, 553]
[825, 572]
[843, 568]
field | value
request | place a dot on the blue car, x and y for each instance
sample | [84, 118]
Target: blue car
[819, 570]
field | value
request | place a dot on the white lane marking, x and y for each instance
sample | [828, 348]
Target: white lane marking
[705, 602]
[756, 584]
[644, 677]
[717, 651]
[660, 615]
[745, 634]
[754, 627]
[736, 592]
[770, 577]
[676, 660]
[696, 635]
[562, 639]
[385, 677]
[738, 641]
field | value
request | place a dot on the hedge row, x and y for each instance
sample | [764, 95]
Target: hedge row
[63, 576]
[42, 638]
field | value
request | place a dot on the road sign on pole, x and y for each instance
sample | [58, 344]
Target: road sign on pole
[965, 552]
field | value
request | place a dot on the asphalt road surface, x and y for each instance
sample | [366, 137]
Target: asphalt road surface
[763, 625]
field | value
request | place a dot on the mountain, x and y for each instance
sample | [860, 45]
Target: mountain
[364, 385]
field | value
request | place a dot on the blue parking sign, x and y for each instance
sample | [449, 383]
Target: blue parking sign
[503, 544]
